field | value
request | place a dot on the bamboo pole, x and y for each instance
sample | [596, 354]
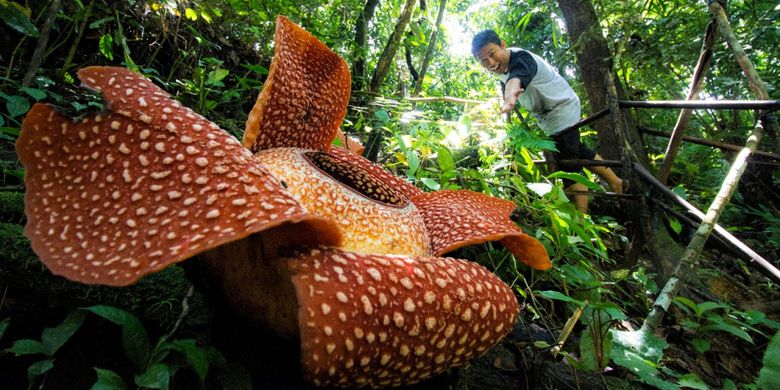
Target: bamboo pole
[765, 266]
[702, 66]
[690, 258]
[756, 84]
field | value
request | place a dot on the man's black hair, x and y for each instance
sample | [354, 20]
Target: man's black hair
[483, 38]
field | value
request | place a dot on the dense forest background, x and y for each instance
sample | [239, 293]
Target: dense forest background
[426, 110]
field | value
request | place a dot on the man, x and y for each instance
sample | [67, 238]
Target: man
[530, 81]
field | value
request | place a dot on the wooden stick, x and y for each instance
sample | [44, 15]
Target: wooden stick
[701, 104]
[446, 99]
[690, 257]
[754, 258]
[702, 65]
[715, 144]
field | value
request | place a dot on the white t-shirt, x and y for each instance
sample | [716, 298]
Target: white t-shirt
[548, 97]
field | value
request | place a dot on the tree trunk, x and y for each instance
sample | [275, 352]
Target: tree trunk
[429, 51]
[386, 59]
[593, 59]
[618, 135]
[361, 45]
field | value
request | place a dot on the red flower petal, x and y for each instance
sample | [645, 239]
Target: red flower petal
[304, 99]
[378, 321]
[115, 196]
[459, 218]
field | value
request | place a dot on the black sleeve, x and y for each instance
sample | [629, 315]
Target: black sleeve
[522, 66]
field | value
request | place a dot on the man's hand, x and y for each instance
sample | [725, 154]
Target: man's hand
[512, 92]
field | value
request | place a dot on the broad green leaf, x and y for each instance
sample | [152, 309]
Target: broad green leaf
[444, 158]
[158, 376]
[414, 163]
[53, 338]
[35, 93]
[557, 296]
[614, 312]
[108, 380]
[754, 317]
[595, 352]
[382, 115]
[430, 183]
[2, 121]
[195, 355]
[707, 306]
[18, 18]
[692, 381]
[106, 46]
[16, 105]
[701, 345]
[717, 323]
[39, 368]
[686, 303]
[134, 337]
[216, 76]
[26, 347]
[576, 177]
[645, 345]
[769, 376]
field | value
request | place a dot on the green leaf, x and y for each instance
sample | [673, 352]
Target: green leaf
[414, 163]
[53, 338]
[216, 76]
[158, 376]
[100, 22]
[576, 177]
[39, 368]
[191, 14]
[430, 183]
[108, 380]
[26, 347]
[445, 160]
[701, 345]
[134, 337]
[17, 17]
[595, 353]
[717, 323]
[35, 93]
[382, 116]
[557, 296]
[692, 381]
[645, 345]
[769, 376]
[541, 344]
[196, 357]
[675, 225]
[106, 46]
[16, 105]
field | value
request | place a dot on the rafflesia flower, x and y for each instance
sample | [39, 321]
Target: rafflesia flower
[303, 239]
